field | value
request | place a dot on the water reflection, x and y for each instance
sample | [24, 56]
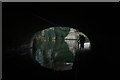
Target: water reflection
[57, 55]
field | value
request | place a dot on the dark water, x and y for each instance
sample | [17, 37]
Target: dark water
[58, 55]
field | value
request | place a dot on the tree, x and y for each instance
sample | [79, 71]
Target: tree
[49, 34]
[61, 32]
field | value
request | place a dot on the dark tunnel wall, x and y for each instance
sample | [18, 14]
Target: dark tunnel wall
[98, 21]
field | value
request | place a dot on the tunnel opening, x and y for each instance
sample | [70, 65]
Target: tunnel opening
[55, 47]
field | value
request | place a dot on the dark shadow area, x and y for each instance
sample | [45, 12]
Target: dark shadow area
[99, 21]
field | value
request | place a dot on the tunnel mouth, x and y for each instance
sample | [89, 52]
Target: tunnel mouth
[55, 47]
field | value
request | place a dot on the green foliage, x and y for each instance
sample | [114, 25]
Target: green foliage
[61, 32]
[56, 32]
[63, 53]
[49, 34]
[53, 52]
